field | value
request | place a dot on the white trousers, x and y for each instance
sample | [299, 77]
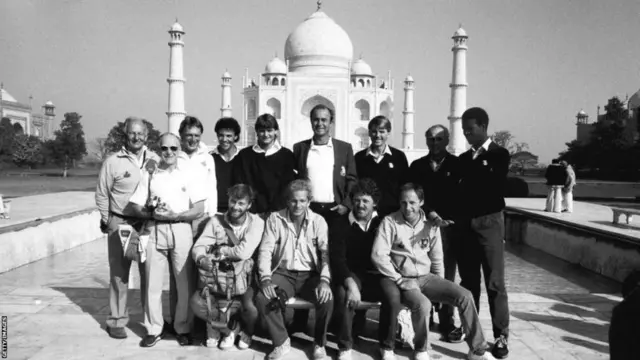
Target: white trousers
[554, 199]
[567, 201]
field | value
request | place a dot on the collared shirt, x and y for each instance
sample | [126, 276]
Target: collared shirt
[353, 220]
[378, 158]
[481, 149]
[217, 152]
[403, 250]
[119, 177]
[202, 167]
[237, 229]
[297, 255]
[320, 162]
[270, 151]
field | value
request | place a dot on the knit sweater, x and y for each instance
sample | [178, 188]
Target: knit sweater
[267, 175]
[223, 180]
[389, 174]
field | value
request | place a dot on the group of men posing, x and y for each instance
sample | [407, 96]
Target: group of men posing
[322, 224]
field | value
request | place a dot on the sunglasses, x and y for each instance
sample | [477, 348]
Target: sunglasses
[165, 148]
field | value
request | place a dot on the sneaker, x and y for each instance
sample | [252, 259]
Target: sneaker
[344, 354]
[319, 353]
[421, 355]
[500, 348]
[213, 337]
[387, 354]
[228, 341]
[475, 356]
[279, 352]
[117, 332]
[245, 340]
[184, 339]
[150, 340]
[455, 336]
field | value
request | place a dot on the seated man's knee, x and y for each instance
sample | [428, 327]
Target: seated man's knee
[465, 297]
[418, 302]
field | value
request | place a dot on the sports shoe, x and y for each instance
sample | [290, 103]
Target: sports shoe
[455, 336]
[484, 356]
[245, 340]
[344, 354]
[500, 348]
[213, 337]
[150, 340]
[421, 355]
[387, 354]
[117, 332]
[280, 351]
[228, 341]
[319, 353]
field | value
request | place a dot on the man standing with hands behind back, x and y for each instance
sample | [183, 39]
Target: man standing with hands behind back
[483, 179]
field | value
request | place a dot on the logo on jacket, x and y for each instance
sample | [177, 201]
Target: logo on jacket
[127, 174]
[343, 172]
[390, 165]
[484, 163]
[204, 163]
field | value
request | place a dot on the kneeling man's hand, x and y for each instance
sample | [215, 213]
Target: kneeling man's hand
[408, 284]
[323, 292]
[353, 297]
[268, 289]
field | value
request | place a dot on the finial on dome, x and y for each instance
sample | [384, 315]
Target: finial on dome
[360, 55]
[319, 2]
[176, 19]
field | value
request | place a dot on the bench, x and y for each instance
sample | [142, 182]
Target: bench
[299, 304]
[623, 211]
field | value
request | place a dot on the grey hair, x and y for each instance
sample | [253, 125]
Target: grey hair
[445, 130]
[299, 185]
[135, 120]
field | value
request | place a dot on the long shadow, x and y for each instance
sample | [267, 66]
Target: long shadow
[588, 280]
[587, 344]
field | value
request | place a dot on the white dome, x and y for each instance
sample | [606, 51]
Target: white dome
[460, 32]
[581, 113]
[318, 45]
[360, 67]
[275, 66]
[226, 75]
[49, 103]
[176, 27]
[7, 97]
[409, 78]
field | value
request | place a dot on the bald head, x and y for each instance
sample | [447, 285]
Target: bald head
[437, 139]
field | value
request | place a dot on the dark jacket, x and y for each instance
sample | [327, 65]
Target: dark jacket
[343, 159]
[389, 175]
[440, 187]
[556, 174]
[483, 181]
[350, 248]
[224, 180]
[267, 175]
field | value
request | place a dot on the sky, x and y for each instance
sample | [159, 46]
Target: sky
[531, 64]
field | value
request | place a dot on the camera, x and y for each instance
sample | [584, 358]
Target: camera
[279, 302]
[224, 265]
[153, 203]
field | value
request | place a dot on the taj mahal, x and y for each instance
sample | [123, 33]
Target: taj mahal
[319, 68]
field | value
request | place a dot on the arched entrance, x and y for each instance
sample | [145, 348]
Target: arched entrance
[302, 129]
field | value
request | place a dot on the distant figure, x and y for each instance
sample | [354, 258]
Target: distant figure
[624, 331]
[567, 190]
[556, 177]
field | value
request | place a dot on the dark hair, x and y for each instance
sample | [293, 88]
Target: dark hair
[228, 123]
[241, 191]
[322, 107]
[438, 126]
[366, 186]
[481, 116]
[379, 121]
[555, 161]
[188, 123]
[299, 185]
[266, 121]
[413, 187]
[630, 283]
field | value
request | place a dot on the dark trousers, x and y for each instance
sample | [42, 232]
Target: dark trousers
[482, 248]
[372, 288]
[300, 284]
[450, 248]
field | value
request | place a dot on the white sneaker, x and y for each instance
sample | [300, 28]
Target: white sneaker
[319, 353]
[279, 352]
[245, 340]
[387, 354]
[486, 356]
[344, 355]
[228, 341]
[213, 337]
[421, 355]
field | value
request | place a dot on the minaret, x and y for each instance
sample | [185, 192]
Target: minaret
[457, 141]
[407, 128]
[225, 110]
[176, 79]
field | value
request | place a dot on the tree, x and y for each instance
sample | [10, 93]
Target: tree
[523, 160]
[27, 150]
[117, 138]
[99, 148]
[7, 136]
[505, 139]
[69, 144]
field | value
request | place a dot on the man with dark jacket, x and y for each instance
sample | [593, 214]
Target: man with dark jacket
[556, 176]
[483, 179]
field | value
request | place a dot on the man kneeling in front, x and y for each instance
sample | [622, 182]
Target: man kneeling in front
[293, 260]
[408, 250]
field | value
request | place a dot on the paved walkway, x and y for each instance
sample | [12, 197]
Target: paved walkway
[56, 309]
[38, 207]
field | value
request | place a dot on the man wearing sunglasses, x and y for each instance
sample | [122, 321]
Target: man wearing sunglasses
[119, 176]
[171, 200]
[437, 173]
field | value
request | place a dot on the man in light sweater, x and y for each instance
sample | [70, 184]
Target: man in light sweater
[408, 250]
